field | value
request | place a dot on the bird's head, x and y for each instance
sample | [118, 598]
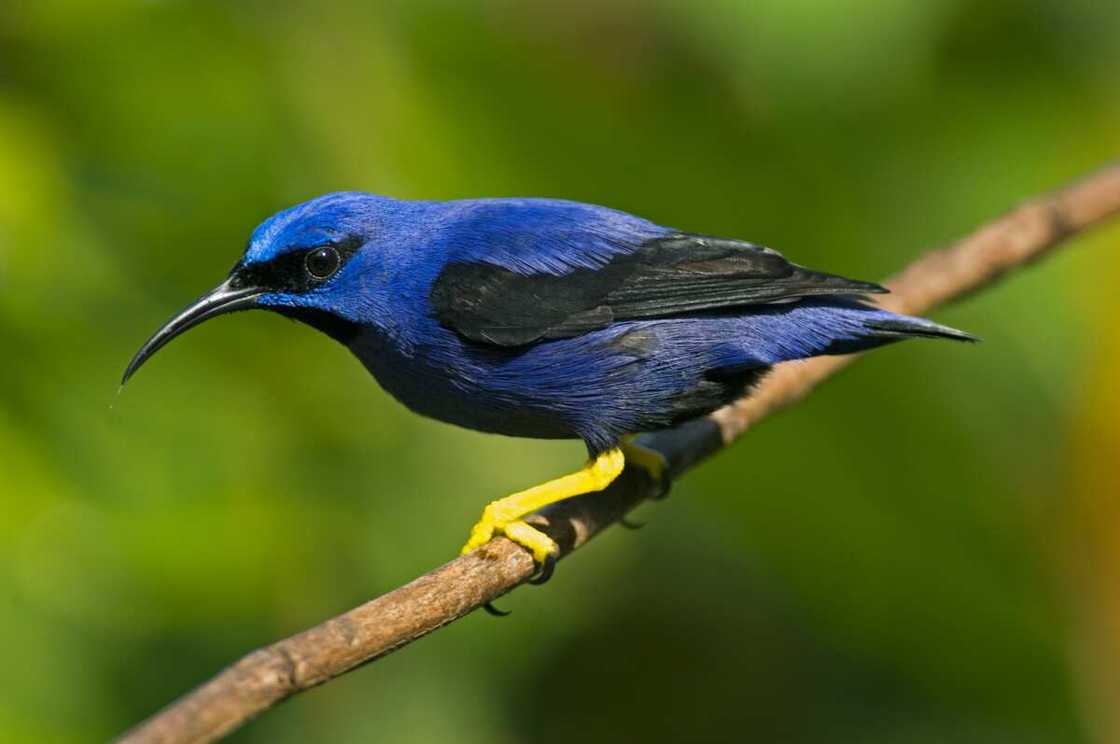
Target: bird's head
[319, 262]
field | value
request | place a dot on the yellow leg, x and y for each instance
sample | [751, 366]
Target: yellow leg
[650, 460]
[504, 515]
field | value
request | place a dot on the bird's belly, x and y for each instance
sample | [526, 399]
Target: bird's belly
[597, 387]
[457, 396]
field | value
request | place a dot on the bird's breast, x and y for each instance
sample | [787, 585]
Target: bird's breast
[441, 379]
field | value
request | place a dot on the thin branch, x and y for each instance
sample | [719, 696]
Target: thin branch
[273, 673]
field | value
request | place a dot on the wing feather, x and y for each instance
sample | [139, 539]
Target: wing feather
[670, 276]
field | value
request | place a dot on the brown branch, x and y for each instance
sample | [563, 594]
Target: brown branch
[273, 673]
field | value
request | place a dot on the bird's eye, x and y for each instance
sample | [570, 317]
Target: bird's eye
[322, 262]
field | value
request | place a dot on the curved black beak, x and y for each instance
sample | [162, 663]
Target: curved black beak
[227, 297]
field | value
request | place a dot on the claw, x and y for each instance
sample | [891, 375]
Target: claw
[631, 524]
[546, 570]
[492, 610]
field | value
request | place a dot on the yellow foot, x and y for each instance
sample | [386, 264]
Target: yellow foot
[652, 461]
[536, 542]
[504, 516]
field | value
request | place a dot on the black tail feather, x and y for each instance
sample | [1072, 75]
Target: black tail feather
[907, 327]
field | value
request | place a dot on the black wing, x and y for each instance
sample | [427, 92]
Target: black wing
[671, 276]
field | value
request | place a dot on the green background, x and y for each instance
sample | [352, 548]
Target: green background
[888, 562]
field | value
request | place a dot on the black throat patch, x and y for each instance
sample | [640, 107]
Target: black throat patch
[341, 330]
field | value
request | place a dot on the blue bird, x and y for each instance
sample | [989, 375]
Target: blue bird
[544, 318]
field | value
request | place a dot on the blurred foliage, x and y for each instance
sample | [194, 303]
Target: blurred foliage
[886, 563]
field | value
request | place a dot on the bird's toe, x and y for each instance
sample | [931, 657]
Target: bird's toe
[543, 547]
